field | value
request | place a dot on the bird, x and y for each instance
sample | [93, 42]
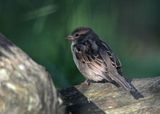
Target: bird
[96, 61]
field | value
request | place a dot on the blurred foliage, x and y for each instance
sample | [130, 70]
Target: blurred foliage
[39, 27]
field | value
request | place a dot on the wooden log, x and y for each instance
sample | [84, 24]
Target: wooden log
[107, 99]
[25, 86]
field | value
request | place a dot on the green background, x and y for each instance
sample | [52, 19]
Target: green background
[130, 27]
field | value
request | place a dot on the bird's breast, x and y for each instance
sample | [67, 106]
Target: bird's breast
[89, 69]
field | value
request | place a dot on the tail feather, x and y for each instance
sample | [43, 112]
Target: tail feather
[127, 86]
[134, 92]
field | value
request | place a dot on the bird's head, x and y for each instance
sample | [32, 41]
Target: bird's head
[79, 33]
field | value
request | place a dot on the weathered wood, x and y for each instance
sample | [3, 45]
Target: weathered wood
[25, 86]
[108, 99]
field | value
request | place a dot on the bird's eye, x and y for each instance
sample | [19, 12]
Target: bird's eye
[76, 35]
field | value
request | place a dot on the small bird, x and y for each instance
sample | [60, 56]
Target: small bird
[96, 61]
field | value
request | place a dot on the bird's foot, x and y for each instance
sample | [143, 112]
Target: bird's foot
[88, 82]
[89, 100]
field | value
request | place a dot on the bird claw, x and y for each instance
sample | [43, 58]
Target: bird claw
[89, 100]
[87, 82]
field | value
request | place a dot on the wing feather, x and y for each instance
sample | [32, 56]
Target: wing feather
[109, 53]
[113, 67]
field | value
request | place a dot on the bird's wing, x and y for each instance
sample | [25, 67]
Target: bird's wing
[112, 62]
[114, 66]
[106, 52]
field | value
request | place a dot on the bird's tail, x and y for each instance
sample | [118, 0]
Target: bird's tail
[128, 86]
[135, 93]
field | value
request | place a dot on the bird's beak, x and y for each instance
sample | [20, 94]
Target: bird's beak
[71, 38]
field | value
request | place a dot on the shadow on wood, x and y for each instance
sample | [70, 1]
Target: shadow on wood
[77, 103]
